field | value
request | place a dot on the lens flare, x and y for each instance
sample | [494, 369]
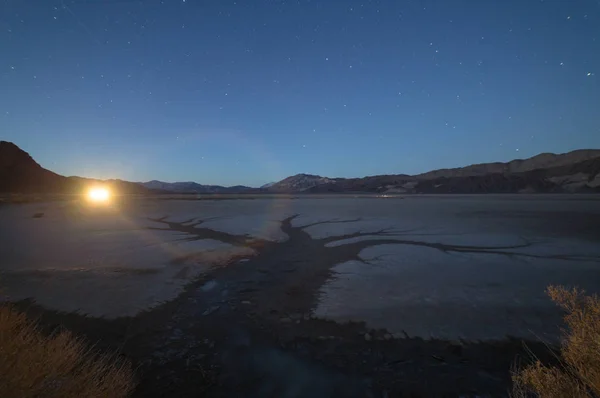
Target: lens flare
[99, 195]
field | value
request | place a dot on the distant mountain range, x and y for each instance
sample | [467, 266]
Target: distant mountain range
[576, 171]
[193, 187]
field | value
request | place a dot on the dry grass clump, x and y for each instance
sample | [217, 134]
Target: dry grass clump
[35, 365]
[578, 372]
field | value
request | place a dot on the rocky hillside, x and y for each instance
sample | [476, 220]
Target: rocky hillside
[268, 185]
[580, 177]
[302, 182]
[541, 161]
[576, 171]
[19, 173]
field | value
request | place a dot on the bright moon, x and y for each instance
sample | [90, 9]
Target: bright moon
[98, 194]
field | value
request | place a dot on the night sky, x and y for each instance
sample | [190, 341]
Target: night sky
[252, 91]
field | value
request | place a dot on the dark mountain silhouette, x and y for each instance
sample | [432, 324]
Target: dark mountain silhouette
[19, 173]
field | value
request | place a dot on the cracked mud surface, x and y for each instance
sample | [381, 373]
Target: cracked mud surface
[247, 327]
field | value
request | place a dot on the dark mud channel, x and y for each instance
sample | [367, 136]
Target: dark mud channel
[245, 329]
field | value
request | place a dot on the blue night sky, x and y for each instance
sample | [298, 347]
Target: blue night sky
[252, 91]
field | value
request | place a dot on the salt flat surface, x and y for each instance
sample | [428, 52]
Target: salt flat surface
[430, 294]
[434, 293]
[101, 262]
[108, 262]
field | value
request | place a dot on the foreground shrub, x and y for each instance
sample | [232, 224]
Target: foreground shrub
[35, 365]
[578, 372]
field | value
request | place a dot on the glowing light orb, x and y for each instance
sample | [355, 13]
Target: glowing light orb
[98, 195]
